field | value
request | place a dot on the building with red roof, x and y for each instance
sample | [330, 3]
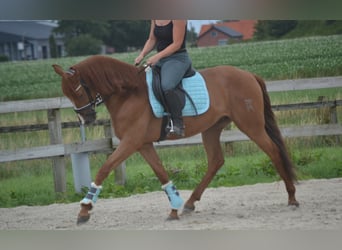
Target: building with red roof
[226, 32]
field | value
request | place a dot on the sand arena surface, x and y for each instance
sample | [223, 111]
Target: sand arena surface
[260, 206]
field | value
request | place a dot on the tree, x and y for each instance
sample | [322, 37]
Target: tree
[83, 45]
[127, 34]
[74, 28]
[115, 33]
[82, 37]
[120, 34]
[53, 46]
[191, 36]
[273, 28]
[133, 34]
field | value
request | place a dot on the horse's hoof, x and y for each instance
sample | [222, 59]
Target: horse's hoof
[293, 203]
[173, 215]
[188, 209]
[82, 219]
[172, 218]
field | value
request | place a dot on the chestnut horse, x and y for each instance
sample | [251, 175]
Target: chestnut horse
[235, 96]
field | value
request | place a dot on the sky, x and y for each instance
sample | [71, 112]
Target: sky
[198, 23]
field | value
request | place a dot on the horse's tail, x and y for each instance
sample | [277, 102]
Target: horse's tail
[273, 131]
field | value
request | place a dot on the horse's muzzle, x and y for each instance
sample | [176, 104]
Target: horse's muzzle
[87, 117]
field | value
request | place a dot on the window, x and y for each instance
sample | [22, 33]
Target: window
[222, 42]
[213, 34]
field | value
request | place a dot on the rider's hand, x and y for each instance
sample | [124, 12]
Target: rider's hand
[153, 60]
[138, 60]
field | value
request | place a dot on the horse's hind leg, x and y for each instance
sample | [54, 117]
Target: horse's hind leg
[281, 161]
[211, 142]
[274, 153]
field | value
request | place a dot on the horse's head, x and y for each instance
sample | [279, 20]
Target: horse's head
[83, 98]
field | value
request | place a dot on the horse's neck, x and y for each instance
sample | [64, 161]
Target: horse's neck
[116, 81]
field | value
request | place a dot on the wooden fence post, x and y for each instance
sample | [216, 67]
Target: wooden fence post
[334, 120]
[323, 113]
[228, 146]
[58, 163]
[327, 115]
[120, 171]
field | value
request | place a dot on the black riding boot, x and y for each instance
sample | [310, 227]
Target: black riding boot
[175, 102]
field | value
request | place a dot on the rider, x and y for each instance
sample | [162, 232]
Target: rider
[169, 38]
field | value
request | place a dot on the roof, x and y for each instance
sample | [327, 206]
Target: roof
[244, 27]
[228, 31]
[27, 29]
[4, 37]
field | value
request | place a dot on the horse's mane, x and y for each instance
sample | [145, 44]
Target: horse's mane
[108, 75]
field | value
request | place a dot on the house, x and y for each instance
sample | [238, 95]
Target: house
[28, 40]
[223, 33]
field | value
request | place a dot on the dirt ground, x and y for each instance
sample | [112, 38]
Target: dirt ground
[260, 206]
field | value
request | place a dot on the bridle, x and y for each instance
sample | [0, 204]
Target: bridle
[88, 109]
[92, 102]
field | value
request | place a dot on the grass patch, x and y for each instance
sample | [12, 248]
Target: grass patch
[186, 167]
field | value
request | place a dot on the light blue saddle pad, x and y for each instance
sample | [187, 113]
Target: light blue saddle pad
[195, 86]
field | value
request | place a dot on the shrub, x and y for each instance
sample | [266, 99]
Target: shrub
[83, 45]
[3, 58]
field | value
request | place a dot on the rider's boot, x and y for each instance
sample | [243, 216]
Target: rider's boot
[175, 104]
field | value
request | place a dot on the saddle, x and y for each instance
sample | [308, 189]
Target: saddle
[191, 86]
[159, 93]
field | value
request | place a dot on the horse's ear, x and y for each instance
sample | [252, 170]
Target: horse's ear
[58, 69]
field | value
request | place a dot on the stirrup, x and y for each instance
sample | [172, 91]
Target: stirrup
[172, 129]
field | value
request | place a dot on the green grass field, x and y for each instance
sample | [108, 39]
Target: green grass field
[281, 59]
[31, 182]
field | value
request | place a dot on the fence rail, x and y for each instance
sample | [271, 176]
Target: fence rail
[57, 148]
[272, 86]
[106, 145]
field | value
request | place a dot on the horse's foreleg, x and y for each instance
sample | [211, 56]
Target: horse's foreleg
[211, 141]
[152, 158]
[119, 155]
